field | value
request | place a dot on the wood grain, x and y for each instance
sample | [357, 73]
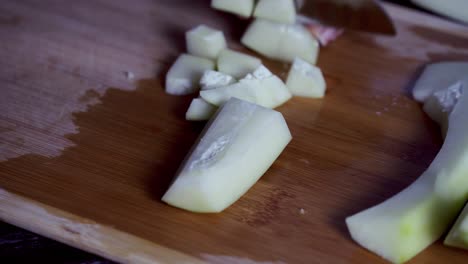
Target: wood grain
[80, 138]
[83, 233]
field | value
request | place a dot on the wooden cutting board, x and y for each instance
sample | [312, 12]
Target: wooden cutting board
[89, 141]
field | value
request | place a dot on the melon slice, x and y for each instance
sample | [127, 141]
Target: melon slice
[440, 104]
[438, 76]
[236, 148]
[458, 235]
[405, 224]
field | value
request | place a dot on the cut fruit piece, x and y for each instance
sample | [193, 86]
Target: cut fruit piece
[213, 79]
[242, 8]
[236, 148]
[236, 63]
[200, 110]
[282, 11]
[451, 163]
[458, 235]
[205, 42]
[438, 76]
[264, 37]
[281, 41]
[305, 80]
[184, 75]
[440, 104]
[261, 87]
[405, 224]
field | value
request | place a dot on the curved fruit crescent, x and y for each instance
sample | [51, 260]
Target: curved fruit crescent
[404, 225]
[458, 235]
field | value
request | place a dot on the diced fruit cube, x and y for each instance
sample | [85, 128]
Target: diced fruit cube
[213, 79]
[281, 41]
[184, 75]
[305, 80]
[205, 42]
[200, 110]
[261, 87]
[242, 8]
[236, 148]
[236, 63]
[282, 11]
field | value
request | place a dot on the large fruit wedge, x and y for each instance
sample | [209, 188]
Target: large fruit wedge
[458, 235]
[405, 224]
[239, 144]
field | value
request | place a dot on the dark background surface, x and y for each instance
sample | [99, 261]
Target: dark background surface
[20, 246]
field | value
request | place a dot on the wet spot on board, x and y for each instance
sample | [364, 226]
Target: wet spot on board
[121, 121]
[10, 20]
[88, 96]
[52, 60]
[42, 126]
[76, 70]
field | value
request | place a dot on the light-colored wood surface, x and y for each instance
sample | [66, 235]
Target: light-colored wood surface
[83, 233]
[80, 138]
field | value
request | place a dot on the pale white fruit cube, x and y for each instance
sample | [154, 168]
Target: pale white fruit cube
[281, 41]
[214, 79]
[404, 225]
[242, 8]
[236, 148]
[282, 11]
[236, 63]
[261, 87]
[199, 110]
[297, 42]
[438, 76]
[204, 41]
[184, 75]
[305, 80]
[264, 37]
